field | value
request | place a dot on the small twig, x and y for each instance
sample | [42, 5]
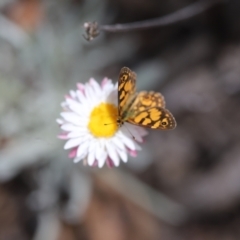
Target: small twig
[93, 28]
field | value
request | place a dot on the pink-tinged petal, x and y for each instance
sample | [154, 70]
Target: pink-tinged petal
[133, 153]
[72, 94]
[63, 136]
[96, 87]
[89, 92]
[73, 153]
[109, 163]
[68, 97]
[81, 97]
[95, 163]
[104, 82]
[81, 87]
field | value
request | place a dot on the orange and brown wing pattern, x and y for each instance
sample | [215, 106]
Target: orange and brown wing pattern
[154, 117]
[146, 99]
[146, 109]
[126, 88]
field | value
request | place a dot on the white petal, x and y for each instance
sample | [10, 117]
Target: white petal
[76, 107]
[59, 121]
[108, 86]
[112, 153]
[68, 127]
[80, 87]
[95, 86]
[118, 143]
[80, 133]
[78, 141]
[64, 105]
[71, 117]
[102, 160]
[112, 97]
[83, 149]
[89, 92]
[77, 159]
[127, 141]
[72, 143]
[81, 97]
[122, 154]
[91, 152]
[91, 158]
[98, 151]
[104, 82]
[73, 94]
[101, 154]
[92, 145]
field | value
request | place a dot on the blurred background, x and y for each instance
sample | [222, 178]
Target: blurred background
[184, 184]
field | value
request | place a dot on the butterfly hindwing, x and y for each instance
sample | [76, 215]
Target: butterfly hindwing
[146, 99]
[154, 117]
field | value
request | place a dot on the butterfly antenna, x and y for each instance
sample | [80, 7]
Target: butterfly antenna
[105, 124]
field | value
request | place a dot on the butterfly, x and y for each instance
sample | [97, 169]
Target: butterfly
[145, 109]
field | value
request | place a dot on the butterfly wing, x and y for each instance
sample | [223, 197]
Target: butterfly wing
[148, 110]
[126, 89]
[146, 99]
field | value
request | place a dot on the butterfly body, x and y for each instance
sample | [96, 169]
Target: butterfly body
[146, 109]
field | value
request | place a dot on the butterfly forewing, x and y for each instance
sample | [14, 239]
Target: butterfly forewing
[126, 88]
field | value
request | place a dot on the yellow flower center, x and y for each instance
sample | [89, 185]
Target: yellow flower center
[102, 121]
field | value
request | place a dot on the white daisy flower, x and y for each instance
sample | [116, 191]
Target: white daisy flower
[89, 125]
